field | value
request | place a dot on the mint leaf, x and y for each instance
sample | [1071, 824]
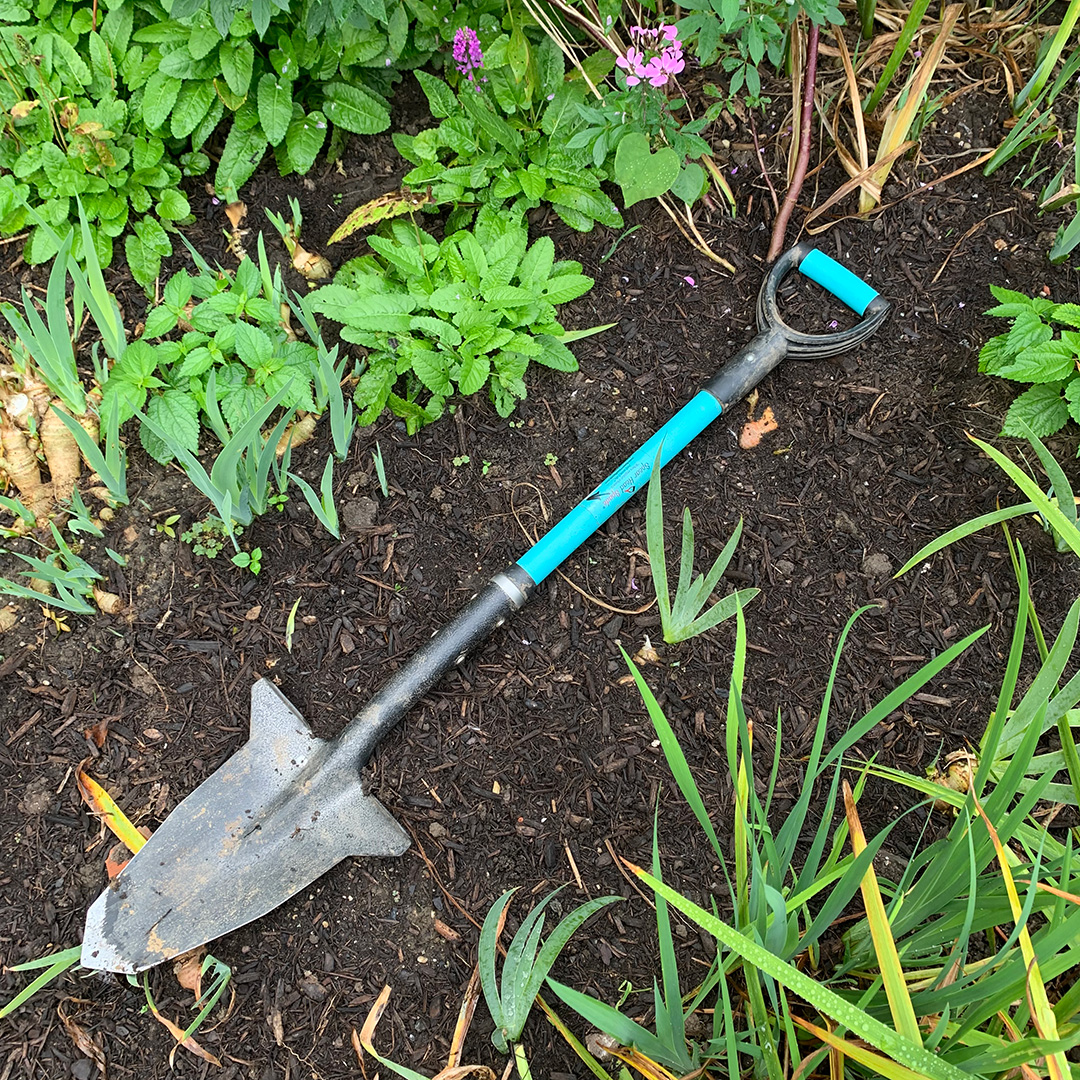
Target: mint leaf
[253, 346]
[176, 414]
[1010, 303]
[555, 354]
[431, 369]
[1041, 408]
[1052, 361]
[159, 321]
[1027, 330]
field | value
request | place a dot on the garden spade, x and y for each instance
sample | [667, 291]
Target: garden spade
[288, 806]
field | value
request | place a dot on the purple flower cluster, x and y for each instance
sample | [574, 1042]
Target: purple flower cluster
[655, 56]
[468, 55]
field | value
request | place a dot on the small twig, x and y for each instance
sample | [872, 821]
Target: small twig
[761, 165]
[784, 216]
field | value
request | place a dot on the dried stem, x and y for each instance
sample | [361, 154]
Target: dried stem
[759, 153]
[803, 161]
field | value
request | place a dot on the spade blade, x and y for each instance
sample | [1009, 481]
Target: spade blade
[273, 818]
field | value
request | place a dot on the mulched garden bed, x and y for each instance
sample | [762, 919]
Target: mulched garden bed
[533, 764]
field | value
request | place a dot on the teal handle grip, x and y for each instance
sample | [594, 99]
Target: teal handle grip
[839, 280]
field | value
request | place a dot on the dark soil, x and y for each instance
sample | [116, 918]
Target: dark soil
[533, 764]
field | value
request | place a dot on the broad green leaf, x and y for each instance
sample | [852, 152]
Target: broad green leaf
[240, 158]
[473, 373]
[354, 109]
[555, 354]
[177, 414]
[1010, 303]
[237, 60]
[566, 287]
[1051, 361]
[158, 100]
[439, 329]
[441, 100]
[304, 139]
[1027, 330]
[275, 97]
[642, 174]
[192, 104]
[143, 259]
[173, 205]
[1041, 408]
[432, 370]
[253, 345]
[537, 263]
[995, 354]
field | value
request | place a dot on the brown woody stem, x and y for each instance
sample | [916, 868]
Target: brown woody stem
[803, 160]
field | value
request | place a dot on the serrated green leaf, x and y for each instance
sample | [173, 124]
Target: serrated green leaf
[439, 329]
[354, 109]
[994, 354]
[173, 205]
[566, 287]
[192, 104]
[441, 100]
[555, 354]
[143, 259]
[240, 158]
[1051, 361]
[275, 97]
[473, 373]
[1069, 314]
[432, 369]
[237, 60]
[1041, 408]
[1027, 330]
[305, 139]
[158, 100]
[177, 414]
[253, 345]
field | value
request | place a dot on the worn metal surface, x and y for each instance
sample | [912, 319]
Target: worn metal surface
[277, 815]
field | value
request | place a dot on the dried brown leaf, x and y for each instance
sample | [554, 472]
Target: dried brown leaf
[9, 616]
[84, 1042]
[188, 970]
[236, 212]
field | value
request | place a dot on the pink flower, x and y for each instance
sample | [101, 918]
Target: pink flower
[657, 56]
[468, 56]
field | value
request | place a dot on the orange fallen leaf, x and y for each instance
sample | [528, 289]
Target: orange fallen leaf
[101, 803]
[236, 212]
[753, 430]
[97, 733]
[119, 855]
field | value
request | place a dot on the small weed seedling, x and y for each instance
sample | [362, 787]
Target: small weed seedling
[207, 537]
[683, 619]
[248, 560]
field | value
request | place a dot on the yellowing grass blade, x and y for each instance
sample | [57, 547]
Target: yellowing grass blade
[883, 1066]
[892, 973]
[101, 803]
[1041, 1012]
[905, 106]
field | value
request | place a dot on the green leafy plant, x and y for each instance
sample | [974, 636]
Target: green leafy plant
[508, 163]
[740, 35]
[525, 968]
[1041, 346]
[238, 483]
[248, 560]
[207, 536]
[467, 313]
[682, 619]
[212, 366]
[55, 965]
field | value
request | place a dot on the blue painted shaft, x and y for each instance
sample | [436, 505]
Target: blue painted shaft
[839, 280]
[632, 475]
